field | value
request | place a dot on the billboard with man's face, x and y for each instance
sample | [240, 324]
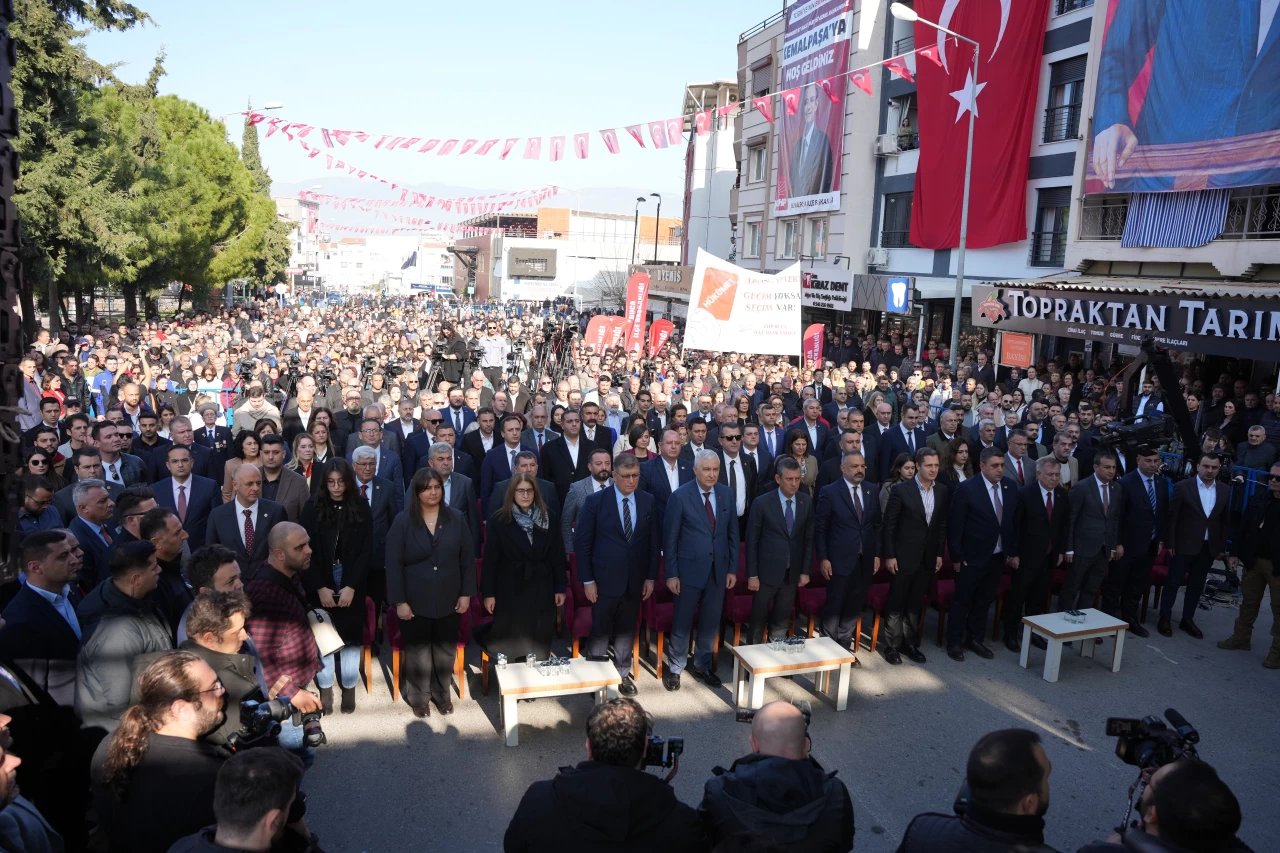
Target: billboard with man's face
[811, 128]
[1186, 97]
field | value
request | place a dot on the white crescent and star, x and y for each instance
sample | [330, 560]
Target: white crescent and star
[962, 96]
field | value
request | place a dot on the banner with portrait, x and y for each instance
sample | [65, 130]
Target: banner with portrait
[1185, 99]
[811, 124]
[732, 309]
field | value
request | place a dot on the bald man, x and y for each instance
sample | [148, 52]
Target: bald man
[788, 791]
[244, 523]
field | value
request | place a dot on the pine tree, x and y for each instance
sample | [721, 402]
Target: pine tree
[252, 157]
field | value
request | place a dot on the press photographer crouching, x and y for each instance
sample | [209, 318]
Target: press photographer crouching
[1007, 778]
[153, 778]
[779, 790]
[608, 801]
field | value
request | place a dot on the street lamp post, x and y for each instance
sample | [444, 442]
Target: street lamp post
[906, 13]
[657, 221]
[635, 228]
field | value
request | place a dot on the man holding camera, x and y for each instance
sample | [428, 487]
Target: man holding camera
[779, 790]
[608, 801]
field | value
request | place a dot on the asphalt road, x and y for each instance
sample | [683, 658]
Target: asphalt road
[389, 782]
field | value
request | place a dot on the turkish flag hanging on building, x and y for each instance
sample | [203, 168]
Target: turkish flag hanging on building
[1011, 35]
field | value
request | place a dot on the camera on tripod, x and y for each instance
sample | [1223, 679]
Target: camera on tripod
[244, 369]
[1131, 433]
[395, 367]
[1150, 743]
[260, 723]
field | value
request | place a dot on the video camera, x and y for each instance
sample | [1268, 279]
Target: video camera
[1149, 744]
[1129, 434]
[665, 753]
[260, 723]
[244, 369]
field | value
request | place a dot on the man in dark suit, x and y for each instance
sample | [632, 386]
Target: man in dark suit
[419, 449]
[700, 546]
[738, 472]
[92, 528]
[388, 461]
[594, 428]
[1043, 518]
[915, 526]
[666, 472]
[459, 491]
[499, 462]
[617, 540]
[385, 500]
[779, 547]
[874, 435]
[843, 399]
[829, 471]
[1017, 463]
[811, 425]
[565, 461]
[1198, 518]
[85, 464]
[538, 434]
[907, 437]
[1093, 537]
[846, 534]
[752, 447]
[482, 439]
[214, 438]
[980, 533]
[772, 435]
[191, 497]
[204, 462]
[1144, 513]
[244, 524]
[41, 632]
[526, 463]
[456, 414]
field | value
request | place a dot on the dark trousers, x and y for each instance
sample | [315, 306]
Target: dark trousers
[1084, 577]
[975, 590]
[1256, 582]
[906, 591]
[1127, 581]
[1027, 594]
[772, 605]
[709, 603]
[430, 646]
[1195, 567]
[494, 375]
[614, 617]
[846, 596]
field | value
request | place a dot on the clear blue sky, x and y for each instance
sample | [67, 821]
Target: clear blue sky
[445, 69]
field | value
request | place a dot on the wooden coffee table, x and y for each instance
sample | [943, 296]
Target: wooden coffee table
[1055, 628]
[754, 664]
[520, 681]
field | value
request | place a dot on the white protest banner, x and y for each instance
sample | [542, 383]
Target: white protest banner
[732, 309]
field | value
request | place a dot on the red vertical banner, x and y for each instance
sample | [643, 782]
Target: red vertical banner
[813, 345]
[597, 333]
[617, 327]
[659, 334]
[637, 308]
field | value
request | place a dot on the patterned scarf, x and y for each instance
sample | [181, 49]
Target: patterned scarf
[535, 517]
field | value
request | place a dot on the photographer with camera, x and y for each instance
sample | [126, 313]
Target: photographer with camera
[780, 790]
[216, 634]
[1185, 807]
[1007, 781]
[607, 801]
[453, 352]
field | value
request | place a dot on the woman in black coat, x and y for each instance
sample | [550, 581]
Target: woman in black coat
[431, 576]
[338, 523]
[524, 573]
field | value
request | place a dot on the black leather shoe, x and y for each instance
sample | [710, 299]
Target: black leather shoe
[422, 710]
[1137, 630]
[326, 700]
[1039, 642]
[708, 678]
[1013, 644]
[628, 686]
[348, 700]
[1190, 627]
[913, 654]
[1165, 629]
[671, 681]
[891, 655]
[955, 653]
[445, 707]
[979, 649]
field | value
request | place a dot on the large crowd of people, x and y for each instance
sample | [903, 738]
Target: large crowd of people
[198, 492]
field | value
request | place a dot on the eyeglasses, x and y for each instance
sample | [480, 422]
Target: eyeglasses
[216, 689]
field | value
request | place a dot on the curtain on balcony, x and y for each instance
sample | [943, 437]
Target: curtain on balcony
[1177, 220]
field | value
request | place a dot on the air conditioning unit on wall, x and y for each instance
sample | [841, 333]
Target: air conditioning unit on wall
[877, 257]
[886, 144]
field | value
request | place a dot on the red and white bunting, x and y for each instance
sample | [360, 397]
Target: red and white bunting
[791, 101]
[491, 203]
[765, 106]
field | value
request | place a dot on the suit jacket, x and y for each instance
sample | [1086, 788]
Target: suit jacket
[617, 565]
[63, 501]
[653, 479]
[820, 428]
[1139, 526]
[764, 467]
[1041, 539]
[606, 437]
[529, 440]
[473, 446]
[219, 448]
[906, 535]
[386, 502]
[894, 443]
[389, 465]
[828, 473]
[468, 418]
[872, 439]
[93, 564]
[390, 441]
[291, 423]
[695, 553]
[202, 462]
[408, 457]
[133, 471]
[462, 498]
[778, 436]
[973, 529]
[293, 492]
[1187, 521]
[224, 529]
[39, 640]
[851, 545]
[558, 467]
[1028, 469]
[496, 467]
[746, 468]
[811, 165]
[148, 454]
[658, 423]
[1093, 530]
[578, 494]
[418, 449]
[547, 488]
[774, 555]
[203, 495]
[430, 572]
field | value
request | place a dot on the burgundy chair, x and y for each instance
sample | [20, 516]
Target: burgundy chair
[1157, 578]
[368, 635]
[811, 597]
[737, 605]
[391, 626]
[659, 613]
[478, 619]
[877, 600]
[1002, 593]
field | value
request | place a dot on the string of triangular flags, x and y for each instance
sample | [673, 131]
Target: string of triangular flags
[412, 225]
[663, 133]
[492, 203]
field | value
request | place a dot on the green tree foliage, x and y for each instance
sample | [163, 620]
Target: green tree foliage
[269, 233]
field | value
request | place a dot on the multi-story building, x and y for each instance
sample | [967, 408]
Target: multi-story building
[711, 169]
[398, 265]
[304, 239]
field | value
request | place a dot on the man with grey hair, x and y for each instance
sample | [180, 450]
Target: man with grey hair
[92, 529]
[985, 432]
[385, 500]
[459, 491]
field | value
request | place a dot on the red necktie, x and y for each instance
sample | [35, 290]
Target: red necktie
[182, 503]
[711, 514]
[1021, 479]
[364, 492]
[539, 442]
[248, 532]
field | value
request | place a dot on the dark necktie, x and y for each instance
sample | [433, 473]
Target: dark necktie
[857, 502]
[999, 505]
[457, 422]
[364, 492]
[1048, 510]
[248, 532]
[711, 513]
[1106, 499]
[789, 517]
[911, 441]
[626, 518]
[539, 442]
[1151, 494]
[1021, 479]
[733, 478]
[182, 503]
[210, 438]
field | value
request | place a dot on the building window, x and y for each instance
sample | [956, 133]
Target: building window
[755, 162]
[1049, 238]
[817, 238]
[896, 233]
[1102, 216]
[787, 238]
[1066, 92]
[753, 240]
[761, 79]
[1065, 6]
[1253, 214]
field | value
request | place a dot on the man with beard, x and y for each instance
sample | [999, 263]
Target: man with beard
[153, 779]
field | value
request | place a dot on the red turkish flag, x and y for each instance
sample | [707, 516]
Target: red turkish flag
[610, 138]
[899, 67]
[1007, 80]
[931, 53]
[702, 121]
[831, 86]
[862, 79]
[634, 130]
[765, 106]
[791, 100]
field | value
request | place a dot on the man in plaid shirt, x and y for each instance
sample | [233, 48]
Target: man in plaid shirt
[279, 625]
